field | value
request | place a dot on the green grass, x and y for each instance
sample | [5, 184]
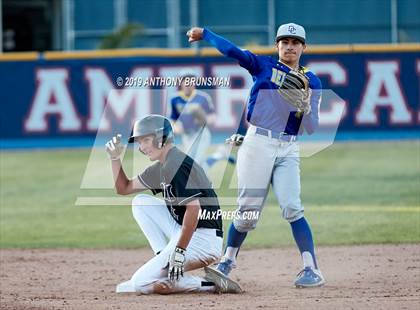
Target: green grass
[353, 193]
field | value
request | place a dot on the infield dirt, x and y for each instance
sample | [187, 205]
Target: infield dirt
[358, 277]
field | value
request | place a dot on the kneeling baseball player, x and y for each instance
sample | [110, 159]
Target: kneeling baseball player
[180, 240]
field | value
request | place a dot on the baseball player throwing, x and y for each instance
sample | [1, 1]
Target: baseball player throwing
[284, 97]
[180, 240]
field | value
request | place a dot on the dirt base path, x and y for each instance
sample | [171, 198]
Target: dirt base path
[358, 277]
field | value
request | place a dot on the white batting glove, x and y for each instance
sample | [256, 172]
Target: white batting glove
[235, 140]
[115, 148]
[176, 264]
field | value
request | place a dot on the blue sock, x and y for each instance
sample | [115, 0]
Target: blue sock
[235, 238]
[303, 237]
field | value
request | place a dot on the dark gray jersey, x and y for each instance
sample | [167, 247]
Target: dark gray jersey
[181, 180]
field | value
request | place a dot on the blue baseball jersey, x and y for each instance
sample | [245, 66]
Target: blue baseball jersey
[266, 108]
[180, 111]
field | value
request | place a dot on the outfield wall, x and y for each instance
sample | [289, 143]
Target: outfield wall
[58, 98]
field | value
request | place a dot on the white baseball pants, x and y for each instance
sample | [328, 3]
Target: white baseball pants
[262, 161]
[163, 232]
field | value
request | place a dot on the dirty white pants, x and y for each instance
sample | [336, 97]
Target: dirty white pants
[163, 232]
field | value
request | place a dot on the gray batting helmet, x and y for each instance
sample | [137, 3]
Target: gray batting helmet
[156, 125]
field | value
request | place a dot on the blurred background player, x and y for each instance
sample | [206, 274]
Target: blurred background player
[192, 115]
[269, 153]
[192, 112]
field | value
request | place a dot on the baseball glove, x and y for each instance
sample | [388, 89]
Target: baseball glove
[198, 114]
[295, 90]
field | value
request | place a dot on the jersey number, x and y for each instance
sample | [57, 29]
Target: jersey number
[277, 76]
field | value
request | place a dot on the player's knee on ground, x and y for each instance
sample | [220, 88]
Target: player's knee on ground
[163, 287]
[292, 213]
[154, 287]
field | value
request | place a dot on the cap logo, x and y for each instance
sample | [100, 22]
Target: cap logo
[291, 29]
